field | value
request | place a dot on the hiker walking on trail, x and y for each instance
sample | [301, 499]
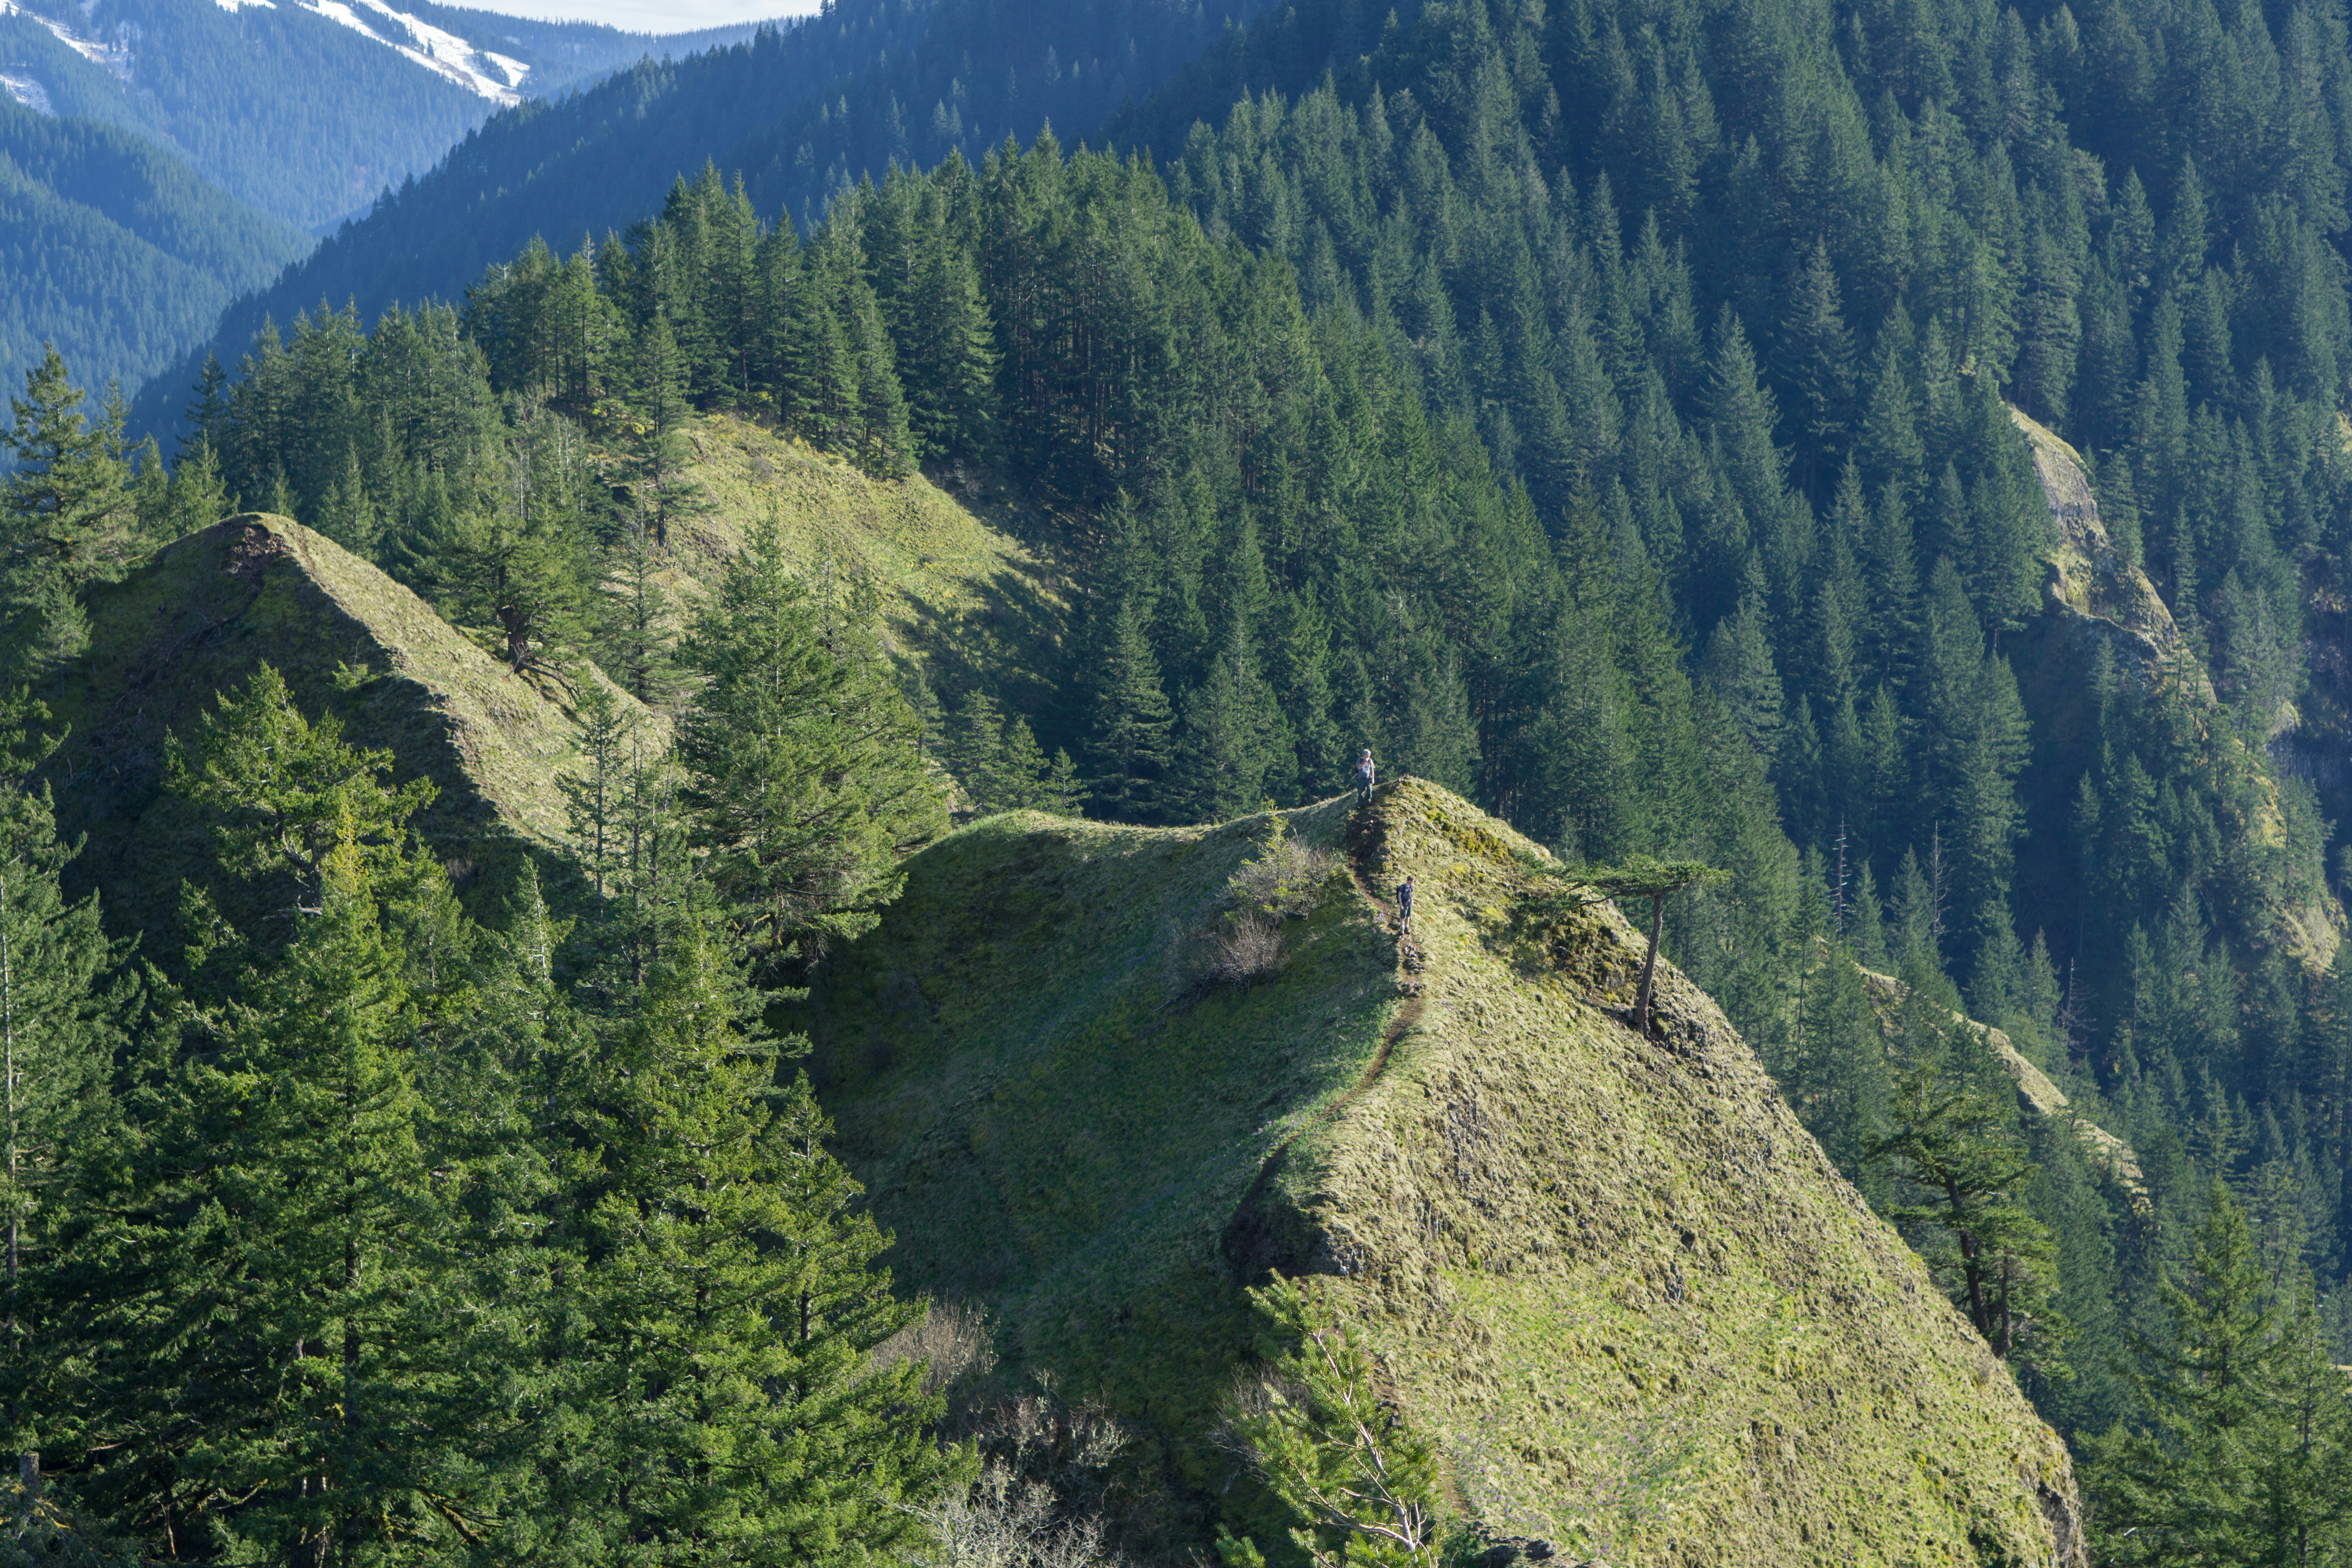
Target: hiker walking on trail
[1404, 907]
[1364, 777]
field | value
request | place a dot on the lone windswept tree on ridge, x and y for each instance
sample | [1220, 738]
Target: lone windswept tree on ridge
[1641, 876]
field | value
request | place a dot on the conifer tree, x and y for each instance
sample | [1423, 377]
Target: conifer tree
[657, 412]
[1739, 664]
[1818, 361]
[2238, 1447]
[516, 577]
[594, 795]
[285, 794]
[1889, 447]
[633, 613]
[1130, 751]
[1953, 1149]
[803, 776]
[277, 1378]
[1229, 753]
[60, 1028]
[731, 1302]
[66, 512]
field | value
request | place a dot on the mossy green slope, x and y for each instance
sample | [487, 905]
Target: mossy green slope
[198, 619]
[931, 556]
[1601, 1270]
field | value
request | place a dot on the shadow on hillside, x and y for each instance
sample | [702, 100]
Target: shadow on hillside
[1013, 644]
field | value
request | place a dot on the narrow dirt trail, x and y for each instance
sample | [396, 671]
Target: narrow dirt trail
[1360, 848]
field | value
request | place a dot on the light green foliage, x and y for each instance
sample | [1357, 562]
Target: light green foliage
[1362, 1485]
[804, 778]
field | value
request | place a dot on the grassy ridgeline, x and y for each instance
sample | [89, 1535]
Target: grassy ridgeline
[1614, 1278]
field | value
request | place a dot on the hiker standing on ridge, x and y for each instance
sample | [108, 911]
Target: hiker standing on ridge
[1404, 907]
[1364, 777]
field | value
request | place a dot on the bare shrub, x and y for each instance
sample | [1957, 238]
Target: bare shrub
[951, 1339]
[1038, 1500]
[1244, 950]
[1005, 1521]
[1241, 944]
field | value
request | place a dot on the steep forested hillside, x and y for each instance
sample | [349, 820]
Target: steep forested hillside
[802, 115]
[1871, 479]
[113, 249]
[287, 110]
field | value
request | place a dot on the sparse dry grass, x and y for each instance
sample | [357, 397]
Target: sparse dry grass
[951, 1339]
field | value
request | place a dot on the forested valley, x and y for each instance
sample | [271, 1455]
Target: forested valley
[1650, 423]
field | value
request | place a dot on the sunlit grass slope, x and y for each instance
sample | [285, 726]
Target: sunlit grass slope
[1602, 1270]
[208, 610]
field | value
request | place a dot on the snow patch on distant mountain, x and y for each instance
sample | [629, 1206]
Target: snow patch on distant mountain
[116, 60]
[495, 77]
[26, 92]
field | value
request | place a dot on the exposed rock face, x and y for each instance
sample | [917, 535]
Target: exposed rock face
[1613, 1275]
[2093, 591]
[2095, 599]
[205, 614]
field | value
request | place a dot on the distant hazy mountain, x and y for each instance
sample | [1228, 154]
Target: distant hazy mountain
[116, 250]
[159, 158]
[303, 108]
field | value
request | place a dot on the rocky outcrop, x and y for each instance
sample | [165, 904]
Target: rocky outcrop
[2108, 1153]
[2096, 599]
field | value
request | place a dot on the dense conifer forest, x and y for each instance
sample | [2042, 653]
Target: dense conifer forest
[1624, 417]
[171, 158]
[799, 112]
[115, 250]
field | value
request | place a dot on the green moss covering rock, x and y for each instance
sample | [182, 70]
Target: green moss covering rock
[1613, 1275]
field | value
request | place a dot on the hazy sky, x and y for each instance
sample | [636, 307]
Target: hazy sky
[648, 16]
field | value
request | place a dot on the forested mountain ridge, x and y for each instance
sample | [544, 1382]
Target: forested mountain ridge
[115, 250]
[302, 111]
[205, 614]
[1610, 414]
[231, 128]
[802, 115]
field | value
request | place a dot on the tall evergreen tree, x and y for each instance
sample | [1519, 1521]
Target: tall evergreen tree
[729, 1305]
[803, 776]
[2238, 1446]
